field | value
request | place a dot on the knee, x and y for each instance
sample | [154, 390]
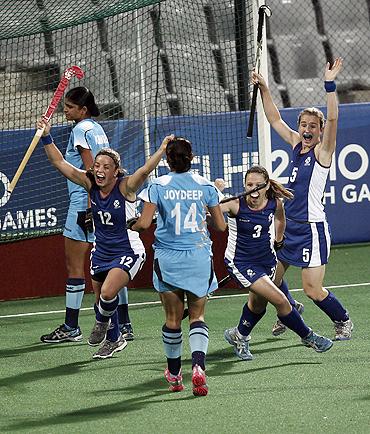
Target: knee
[173, 323]
[74, 269]
[281, 303]
[257, 306]
[315, 293]
[107, 293]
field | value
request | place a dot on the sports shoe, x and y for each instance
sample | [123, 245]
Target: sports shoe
[98, 333]
[127, 332]
[319, 343]
[109, 348]
[62, 334]
[343, 330]
[175, 381]
[199, 381]
[241, 344]
[279, 328]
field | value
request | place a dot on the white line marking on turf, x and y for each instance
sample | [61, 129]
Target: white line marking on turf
[148, 303]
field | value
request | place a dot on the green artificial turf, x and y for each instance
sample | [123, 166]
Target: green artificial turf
[286, 388]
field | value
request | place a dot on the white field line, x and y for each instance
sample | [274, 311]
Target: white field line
[148, 303]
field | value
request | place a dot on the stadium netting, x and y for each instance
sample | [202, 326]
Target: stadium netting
[155, 68]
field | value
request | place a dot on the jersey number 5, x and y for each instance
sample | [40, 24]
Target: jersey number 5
[293, 176]
[306, 255]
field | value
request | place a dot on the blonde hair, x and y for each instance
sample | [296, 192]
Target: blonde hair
[114, 155]
[313, 111]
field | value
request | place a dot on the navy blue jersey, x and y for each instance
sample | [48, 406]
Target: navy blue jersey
[252, 234]
[307, 182]
[110, 214]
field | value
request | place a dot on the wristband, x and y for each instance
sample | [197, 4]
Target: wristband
[130, 222]
[279, 244]
[330, 86]
[47, 140]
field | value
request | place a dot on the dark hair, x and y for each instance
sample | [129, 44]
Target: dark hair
[82, 96]
[179, 154]
[276, 190]
[114, 155]
[313, 111]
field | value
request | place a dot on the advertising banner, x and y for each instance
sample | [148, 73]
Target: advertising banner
[39, 202]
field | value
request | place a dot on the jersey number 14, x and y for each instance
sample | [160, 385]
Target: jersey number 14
[190, 221]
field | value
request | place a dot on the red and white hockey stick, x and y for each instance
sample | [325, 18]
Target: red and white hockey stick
[69, 73]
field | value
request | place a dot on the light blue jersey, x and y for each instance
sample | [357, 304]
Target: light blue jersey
[87, 134]
[183, 254]
[181, 200]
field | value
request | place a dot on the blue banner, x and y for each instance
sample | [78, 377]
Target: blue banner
[40, 200]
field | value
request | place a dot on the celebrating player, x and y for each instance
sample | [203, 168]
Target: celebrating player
[251, 260]
[307, 243]
[182, 257]
[86, 139]
[118, 254]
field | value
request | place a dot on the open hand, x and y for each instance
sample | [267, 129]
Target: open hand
[332, 72]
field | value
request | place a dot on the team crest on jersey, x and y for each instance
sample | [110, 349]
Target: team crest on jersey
[116, 204]
[307, 161]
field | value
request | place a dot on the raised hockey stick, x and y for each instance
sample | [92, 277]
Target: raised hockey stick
[69, 73]
[262, 11]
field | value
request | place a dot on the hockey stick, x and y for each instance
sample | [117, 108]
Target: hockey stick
[73, 71]
[221, 283]
[244, 194]
[262, 11]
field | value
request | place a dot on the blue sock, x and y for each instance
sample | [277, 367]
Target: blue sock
[113, 332]
[123, 315]
[172, 344]
[106, 309]
[284, 288]
[75, 289]
[333, 308]
[198, 340]
[248, 320]
[295, 322]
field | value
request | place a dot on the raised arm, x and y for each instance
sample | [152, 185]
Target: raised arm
[272, 113]
[56, 159]
[137, 179]
[330, 131]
